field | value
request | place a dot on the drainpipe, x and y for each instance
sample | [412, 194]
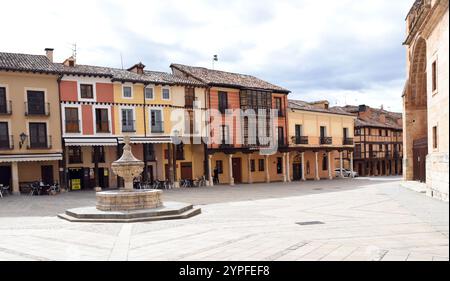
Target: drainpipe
[145, 145]
[205, 146]
[62, 163]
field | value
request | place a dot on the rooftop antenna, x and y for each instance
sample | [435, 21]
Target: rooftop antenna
[121, 60]
[74, 50]
[215, 58]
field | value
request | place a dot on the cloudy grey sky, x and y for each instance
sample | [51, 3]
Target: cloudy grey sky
[346, 51]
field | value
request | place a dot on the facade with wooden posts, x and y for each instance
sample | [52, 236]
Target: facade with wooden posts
[239, 155]
[321, 141]
[378, 141]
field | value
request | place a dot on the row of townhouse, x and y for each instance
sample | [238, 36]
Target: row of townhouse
[65, 122]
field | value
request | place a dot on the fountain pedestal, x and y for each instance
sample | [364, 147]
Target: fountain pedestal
[128, 204]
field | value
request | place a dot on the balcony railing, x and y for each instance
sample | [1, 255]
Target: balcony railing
[348, 141]
[40, 143]
[6, 142]
[5, 109]
[102, 126]
[326, 140]
[157, 127]
[72, 126]
[128, 126]
[42, 109]
[300, 140]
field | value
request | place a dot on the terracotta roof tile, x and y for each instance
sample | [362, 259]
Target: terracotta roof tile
[310, 106]
[26, 62]
[227, 79]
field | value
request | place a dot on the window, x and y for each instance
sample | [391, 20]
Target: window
[298, 131]
[75, 155]
[127, 92]
[223, 101]
[189, 97]
[358, 151]
[102, 120]
[72, 122]
[166, 94]
[38, 135]
[225, 135]
[3, 102]
[261, 164]
[281, 136]
[323, 131]
[380, 133]
[156, 122]
[87, 91]
[252, 165]
[345, 132]
[101, 154]
[127, 120]
[149, 93]
[4, 136]
[357, 132]
[435, 137]
[219, 166]
[434, 76]
[250, 99]
[278, 106]
[279, 165]
[36, 102]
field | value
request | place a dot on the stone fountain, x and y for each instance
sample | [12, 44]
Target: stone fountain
[128, 204]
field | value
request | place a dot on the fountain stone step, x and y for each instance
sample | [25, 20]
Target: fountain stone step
[170, 210]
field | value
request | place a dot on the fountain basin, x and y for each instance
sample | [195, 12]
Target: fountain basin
[124, 200]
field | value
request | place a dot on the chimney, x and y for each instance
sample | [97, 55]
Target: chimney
[137, 68]
[362, 108]
[49, 53]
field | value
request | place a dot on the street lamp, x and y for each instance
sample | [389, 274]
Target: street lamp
[23, 138]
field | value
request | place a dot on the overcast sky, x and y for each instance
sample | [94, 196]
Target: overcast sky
[346, 51]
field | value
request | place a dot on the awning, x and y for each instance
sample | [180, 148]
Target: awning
[30, 157]
[90, 141]
[159, 139]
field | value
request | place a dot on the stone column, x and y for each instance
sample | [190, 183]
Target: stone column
[15, 178]
[210, 176]
[288, 166]
[351, 163]
[341, 165]
[303, 167]
[249, 163]
[230, 167]
[267, 169]
[316, 166]
[330, 173]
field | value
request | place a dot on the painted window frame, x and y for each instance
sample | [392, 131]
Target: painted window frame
[153, 92]
[94, 118]
[127, 85]
[132, 108]
[63, 118]
[150, 120]
[94, 90]
[162, 93]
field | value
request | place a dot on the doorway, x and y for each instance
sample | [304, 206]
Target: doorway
[186, 171]
[420, 151]
[237, 170]
[297, 171]
[5, 175]
[75, 178]
[47, 175]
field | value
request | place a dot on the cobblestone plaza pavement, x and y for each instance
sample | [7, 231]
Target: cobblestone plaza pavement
[360, 219]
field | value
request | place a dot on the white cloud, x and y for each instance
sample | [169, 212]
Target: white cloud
[324, 44]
